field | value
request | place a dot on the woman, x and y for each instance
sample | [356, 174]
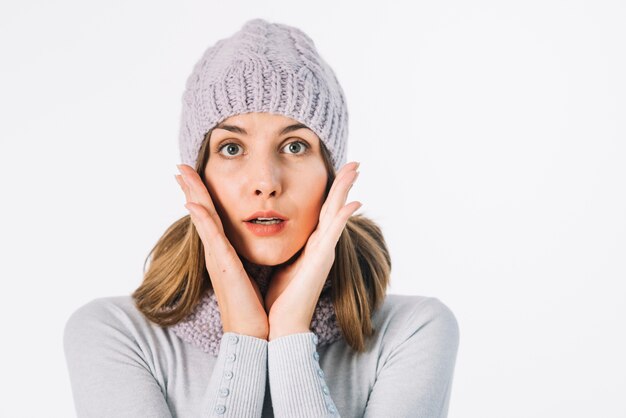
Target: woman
[269, 299]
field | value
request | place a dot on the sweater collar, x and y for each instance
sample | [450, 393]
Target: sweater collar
[203, 326]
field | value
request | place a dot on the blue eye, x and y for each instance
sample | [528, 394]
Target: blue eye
[298, 145]
[294, 147]
[230, 147]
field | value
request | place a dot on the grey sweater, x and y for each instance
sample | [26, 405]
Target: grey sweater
[122, 365]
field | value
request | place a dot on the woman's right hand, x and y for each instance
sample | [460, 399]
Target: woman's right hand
[238, 295]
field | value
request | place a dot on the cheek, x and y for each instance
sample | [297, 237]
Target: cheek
[311, 197]
[222, 193]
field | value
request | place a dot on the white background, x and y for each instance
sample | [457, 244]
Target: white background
[491, 137]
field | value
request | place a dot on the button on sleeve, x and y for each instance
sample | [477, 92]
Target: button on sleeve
[296, 377]
[238, 381]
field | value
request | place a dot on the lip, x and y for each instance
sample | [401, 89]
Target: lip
[266, 214]
[266, 230]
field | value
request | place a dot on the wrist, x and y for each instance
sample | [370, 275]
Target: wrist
[277, 331]
[258, 332]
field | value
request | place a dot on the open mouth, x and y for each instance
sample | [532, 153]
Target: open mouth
[266, 221]
[266, 227]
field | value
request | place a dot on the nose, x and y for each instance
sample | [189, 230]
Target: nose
[266, 178]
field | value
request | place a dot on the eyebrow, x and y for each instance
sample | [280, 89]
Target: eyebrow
[238, 130]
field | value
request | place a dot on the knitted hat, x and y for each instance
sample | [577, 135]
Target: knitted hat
[264, 67]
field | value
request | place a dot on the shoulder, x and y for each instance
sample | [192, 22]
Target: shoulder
[403, 317]
[104, 309]
[113, 358]
[416, 308]
[105, 317]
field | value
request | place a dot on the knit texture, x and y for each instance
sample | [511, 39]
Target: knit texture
[264, 67]
[203, 327]
[122, 365]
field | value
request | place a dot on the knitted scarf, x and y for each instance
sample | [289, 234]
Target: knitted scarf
[203, 326]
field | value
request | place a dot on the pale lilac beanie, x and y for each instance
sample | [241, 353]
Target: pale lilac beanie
[264, 67]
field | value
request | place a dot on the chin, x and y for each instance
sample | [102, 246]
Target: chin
[265, 259]
[268, 258]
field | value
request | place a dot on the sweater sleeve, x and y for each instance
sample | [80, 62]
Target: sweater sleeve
[237, 385]
[297, 383]
[416, 377]
[111, 372]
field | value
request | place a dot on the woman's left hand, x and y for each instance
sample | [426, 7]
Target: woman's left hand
[294, 289]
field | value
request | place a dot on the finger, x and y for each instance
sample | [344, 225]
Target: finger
[207, 230]
[337, 200]
[342, 172]
[183, 186]
[188, 199]
[332, 235]
[191, 179]
[217, 246]
[198, 192]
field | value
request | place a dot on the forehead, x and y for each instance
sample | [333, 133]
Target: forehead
[259, 118]
[257, 123]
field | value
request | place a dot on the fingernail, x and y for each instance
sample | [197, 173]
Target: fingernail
[183, 175]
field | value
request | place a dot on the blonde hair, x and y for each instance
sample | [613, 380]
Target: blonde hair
[177, 277]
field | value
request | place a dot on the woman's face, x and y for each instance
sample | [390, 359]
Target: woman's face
[261, 162]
